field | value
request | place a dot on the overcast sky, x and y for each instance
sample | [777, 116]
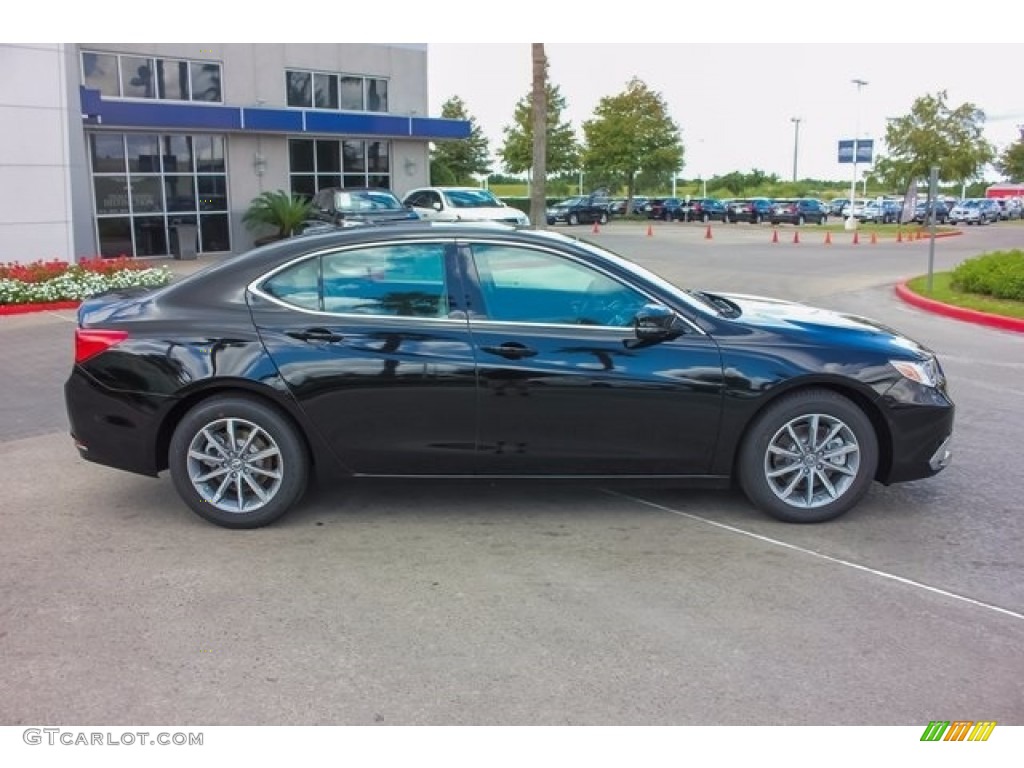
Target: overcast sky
[734, 102]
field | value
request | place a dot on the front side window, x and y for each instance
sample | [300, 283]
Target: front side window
[530, 286]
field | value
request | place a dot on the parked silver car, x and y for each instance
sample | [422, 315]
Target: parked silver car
[975, 211]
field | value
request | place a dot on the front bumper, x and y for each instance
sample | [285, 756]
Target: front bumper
[920, 421]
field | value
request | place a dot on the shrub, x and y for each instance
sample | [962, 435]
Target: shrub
[283, 211]
[999, 274]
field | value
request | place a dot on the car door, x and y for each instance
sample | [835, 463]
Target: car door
[373, 343]
[427, 204]
[564, 388]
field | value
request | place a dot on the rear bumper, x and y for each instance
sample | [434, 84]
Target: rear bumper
[116, 429]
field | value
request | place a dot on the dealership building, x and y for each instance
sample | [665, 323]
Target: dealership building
[110, 148]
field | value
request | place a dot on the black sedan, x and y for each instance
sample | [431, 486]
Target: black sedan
[483, 351]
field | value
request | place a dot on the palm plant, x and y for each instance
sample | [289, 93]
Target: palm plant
[282, 210]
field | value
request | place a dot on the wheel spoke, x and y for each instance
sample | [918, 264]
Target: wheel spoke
[826, 482]
[266, 472]
[795, 467]
[832, 433]
[812, 441]
[238, 492]
[221, 488]
[791, 487]
[799, 443]
[214, 442]
[231, 434]
[210, 475]
[778, 451]
[256, 488]
[810, 488]
[839, 452]
[264, 454]
[248, 440]
[843, 469]
[204, 457]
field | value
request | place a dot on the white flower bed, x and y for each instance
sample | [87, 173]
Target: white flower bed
[77, 284]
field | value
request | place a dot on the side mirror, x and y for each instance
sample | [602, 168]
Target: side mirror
[655, 322]
[437, 205]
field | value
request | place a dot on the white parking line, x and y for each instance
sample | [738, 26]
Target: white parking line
[812, 553]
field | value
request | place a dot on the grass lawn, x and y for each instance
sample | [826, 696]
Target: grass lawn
[941, 291]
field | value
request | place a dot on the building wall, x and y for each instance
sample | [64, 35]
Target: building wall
[35, 158]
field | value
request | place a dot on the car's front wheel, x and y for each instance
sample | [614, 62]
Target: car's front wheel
[237, 462]
[573, 219]
[809, 457]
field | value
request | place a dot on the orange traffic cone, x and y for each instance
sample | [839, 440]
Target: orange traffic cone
[856, 237]
[597, 229]
[796, 236]
[828, 238]
[650, 230]
[775, 235]
[707, 233]
[899, 235]
[874, 238]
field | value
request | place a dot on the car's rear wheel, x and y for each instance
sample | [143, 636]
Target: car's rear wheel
[809, 457]
[603, 219]
[237, 462]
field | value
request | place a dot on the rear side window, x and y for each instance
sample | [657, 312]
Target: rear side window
[405, 280]
[396, 280]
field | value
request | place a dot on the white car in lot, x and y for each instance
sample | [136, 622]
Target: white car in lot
[462, 204]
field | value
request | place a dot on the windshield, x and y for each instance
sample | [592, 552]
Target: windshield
[352, 200]
[472, 198]
[570, 201]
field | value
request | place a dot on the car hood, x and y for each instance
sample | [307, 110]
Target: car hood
[815, 325]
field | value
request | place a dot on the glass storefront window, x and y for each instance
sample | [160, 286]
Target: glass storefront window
[172, 79]
[351, 94]
[111, 194]
[99, 71]
[137, 81]
[328, 157]
[143, 153]
[206, 84]
[107, 152]
[325, 88]
[376, 95]
[355, 156]
[299, 88]
[115, 235]
[140, 192]
[315, 164]
[300, 156]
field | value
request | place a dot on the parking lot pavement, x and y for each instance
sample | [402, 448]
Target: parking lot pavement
[440, 603]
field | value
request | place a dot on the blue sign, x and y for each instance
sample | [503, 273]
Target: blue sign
[865, 148]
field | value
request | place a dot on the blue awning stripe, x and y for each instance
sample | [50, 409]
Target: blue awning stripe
[159, 115]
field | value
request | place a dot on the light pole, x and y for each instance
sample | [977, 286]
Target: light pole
[851, 222]
[796, 141]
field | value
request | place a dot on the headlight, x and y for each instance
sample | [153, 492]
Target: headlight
[926, 372]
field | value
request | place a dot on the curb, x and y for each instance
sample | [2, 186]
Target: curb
[24, 309]
[959, 313]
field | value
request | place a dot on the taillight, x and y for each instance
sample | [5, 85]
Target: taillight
[89, 342]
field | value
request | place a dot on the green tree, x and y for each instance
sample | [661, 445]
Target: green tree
[280, 210]
[562, 150]
[1011, 162]
[630, 134]
[462, 157]
[934, 134]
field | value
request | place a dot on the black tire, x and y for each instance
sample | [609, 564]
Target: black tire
[258, 429]
[842, 469]
[574, 219]
[603, 218]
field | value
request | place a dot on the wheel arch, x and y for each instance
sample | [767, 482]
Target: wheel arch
[220, 388]
[863, 401]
